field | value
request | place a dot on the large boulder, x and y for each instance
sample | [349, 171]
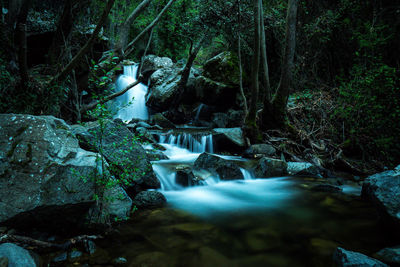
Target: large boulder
[16, 255]
[127, 158]
[225, 169]
[46, 178]
[383, 190]
[390, 255]
[223, 68]
[161, 120]
[229, 139]
[269, 167]
[149, 199]
[346, 258]
[152, 63]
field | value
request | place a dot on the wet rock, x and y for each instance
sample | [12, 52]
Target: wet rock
[120, 261]
[47, 176]
[222, 68]
[303, 169]
[269, 167]
[346, 258]
[383, 190]
[186, 178]
[154, 155]
[225, 169]
[259, 151]
[229, 139]
[152, 63]
[390, 255]
[149, 199]
[159, 119]
[90, 247]
[75, 254]
[145, 135]
[123, 152]
[61, 257]
[16, 255]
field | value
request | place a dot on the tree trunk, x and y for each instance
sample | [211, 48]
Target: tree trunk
[145, 52]
[67, 70]
[274, 114]
[20, 37]
[267, 93]
[245, 107]
[251, 123]
[123, 33]
[129, 47]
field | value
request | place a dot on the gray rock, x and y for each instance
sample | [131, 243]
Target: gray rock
[269, 167]
[220, 120]
[229, 139]
[390, 255]
[90, 247]
[75, 254]
[235, 118]
[145, 135]
[303, 168]
[222, 68]
[346, 258]
[149, 199]
[225, 169]
[259, 151]
[61, 257]
[120, 261]
[127, 156]
[3, 262]
[383, 190]
[186, 178]
[152, 63]
[16, 255]
[154, 155]
[159, 119]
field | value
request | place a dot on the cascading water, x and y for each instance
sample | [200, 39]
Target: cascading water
[128, 109]
[199, 144]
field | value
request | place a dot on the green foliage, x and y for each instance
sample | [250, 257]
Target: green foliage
[370, 109]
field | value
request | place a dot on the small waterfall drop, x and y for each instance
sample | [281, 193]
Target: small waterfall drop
[196, 144]
[128, 109]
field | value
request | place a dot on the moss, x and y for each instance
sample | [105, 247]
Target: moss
[13, 147]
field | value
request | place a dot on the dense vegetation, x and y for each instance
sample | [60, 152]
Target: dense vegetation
[345, 76]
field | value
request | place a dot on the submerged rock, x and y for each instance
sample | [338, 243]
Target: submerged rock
[225, 169]
[346, 258]
[383, 190]
[390, 255]
[47, 179]
[149, 199]
[269, 167]
[16, 255]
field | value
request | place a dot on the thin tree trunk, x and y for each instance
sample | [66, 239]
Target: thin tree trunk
[251, 117]
[123, 33]
[267, 94]
[245, 107]
[20, 36]
[274, 115]
[67, 70]
[129, 47]
[145, 53]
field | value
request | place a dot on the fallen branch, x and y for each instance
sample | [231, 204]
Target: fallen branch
[108, 98]
[38, 244]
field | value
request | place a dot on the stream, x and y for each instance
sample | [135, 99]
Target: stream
[250, 222]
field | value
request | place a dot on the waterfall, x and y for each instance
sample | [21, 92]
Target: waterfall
[128, 109]
[194, 143]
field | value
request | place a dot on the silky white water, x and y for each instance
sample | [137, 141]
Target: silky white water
[132, 104]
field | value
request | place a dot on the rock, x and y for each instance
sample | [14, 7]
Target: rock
[159, 119]
[259, 151]
[75, 254]
[229, 139]
[61, 257]
[3, 262]
[303, 169]
[90, 247]
[152, 63]
[346, 258]
[383, 190]
[163, 89]
[126, 155]
[220, 120]
[222, 68]
[211, 92]
[154, 155]
[225, 169]
[120, 261]
[145, 135]
[16, 255]
[186, 178]
[269, 167]
[47, 178]
[390, 255]
[235, 118]
[155, 258]
[149, 199]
